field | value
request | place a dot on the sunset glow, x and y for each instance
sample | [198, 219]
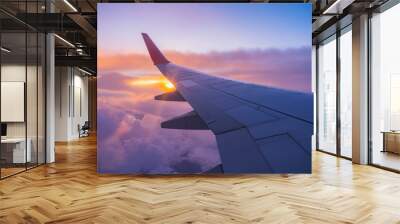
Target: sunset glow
[147, 82]
[169, 85]
[158, 82]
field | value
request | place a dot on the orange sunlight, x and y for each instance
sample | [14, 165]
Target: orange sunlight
[160, 82]
[169, 85]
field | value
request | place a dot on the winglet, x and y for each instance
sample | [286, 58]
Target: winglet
[155, 53]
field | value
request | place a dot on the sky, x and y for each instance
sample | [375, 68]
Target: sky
[266, 44]
[203, 27]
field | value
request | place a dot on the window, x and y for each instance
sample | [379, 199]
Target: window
[327, 95]
[22, 77]
[385, 89]
[345, 92]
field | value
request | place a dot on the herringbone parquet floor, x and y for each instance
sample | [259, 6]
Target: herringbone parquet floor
[70, 191]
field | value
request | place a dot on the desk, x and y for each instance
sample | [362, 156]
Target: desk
[391, 141]
[17, 150]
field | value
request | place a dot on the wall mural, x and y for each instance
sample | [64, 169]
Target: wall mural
[204, 88]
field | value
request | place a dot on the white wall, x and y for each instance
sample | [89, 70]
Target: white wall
[71, 102]
[79, 103]
[62, 81]
[12, 73]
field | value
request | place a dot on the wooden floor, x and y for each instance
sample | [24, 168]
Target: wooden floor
[70, 191]
[387, 159]
[5, 172]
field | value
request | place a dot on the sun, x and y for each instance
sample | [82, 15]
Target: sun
[169, 85]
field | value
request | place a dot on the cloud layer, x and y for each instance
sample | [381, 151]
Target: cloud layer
[130, 137]
[289, 69]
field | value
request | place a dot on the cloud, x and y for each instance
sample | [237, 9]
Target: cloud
[142, 146]
[127, 85]
[289, 69]
[187, 166]
[122, 94]
[127, 144]
[113, 81]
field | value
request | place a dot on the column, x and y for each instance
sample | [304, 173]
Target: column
[360, 90]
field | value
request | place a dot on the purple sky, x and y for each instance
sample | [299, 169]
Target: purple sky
[267, 44]
[203, 27]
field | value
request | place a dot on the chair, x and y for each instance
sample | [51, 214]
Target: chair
[84, 130]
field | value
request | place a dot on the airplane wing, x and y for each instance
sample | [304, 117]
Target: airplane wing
[258, 129]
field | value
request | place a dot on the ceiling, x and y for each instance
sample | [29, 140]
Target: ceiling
[75, 23]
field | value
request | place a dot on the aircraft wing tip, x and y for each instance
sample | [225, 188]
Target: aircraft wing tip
[155, 53]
